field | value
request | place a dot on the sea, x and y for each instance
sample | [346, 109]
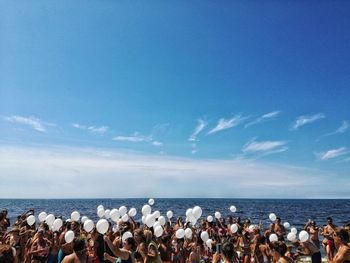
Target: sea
[295, 211]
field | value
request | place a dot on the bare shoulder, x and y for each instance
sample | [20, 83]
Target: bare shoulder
[68, 259]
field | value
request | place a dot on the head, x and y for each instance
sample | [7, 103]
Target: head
[278, 220]
[6, 254]
[329, 220]
[227, 250]
[341, 236]
[79, 246]
[129, 244]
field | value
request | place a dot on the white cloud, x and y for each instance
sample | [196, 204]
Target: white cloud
[343, 127]
[133, 138]
[263, 118]
[63, 172]
[32, 122]
[264, 146]
[156, 143]
[334, 153]
[193, 151]
[92, 129]
[307, 119]
[200, 126]
[224, 124]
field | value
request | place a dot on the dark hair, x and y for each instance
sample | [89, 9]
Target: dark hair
[227, 250]
[131, 242]
[281, 248]
[329, 219]
[6, 255]
[343, 235]
[79, 245]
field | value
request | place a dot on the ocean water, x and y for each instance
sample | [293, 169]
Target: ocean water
[296, 211]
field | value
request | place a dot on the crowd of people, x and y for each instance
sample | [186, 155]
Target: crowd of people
[38, 243]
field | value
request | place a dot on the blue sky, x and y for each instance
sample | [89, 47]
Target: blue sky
[171, 97]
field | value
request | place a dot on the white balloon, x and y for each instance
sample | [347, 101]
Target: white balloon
[150, 220]
[233, 208]
[132, 212]
[100, 207]
[217, 215]
[143, 219]
[75, 216]
[101, 212]
[50, 219]
[115, 228]
[126, 235]
[273, 238]
[146, 210]
[180, 233]
[123, 210]
[156, 214]
[188, 233]
[162, 220]
[151, 201]
[251, 228]
[42, 216]
[107, 214]
[69, 236]
[204, 236]
[57, 224]
[169, 214]
[234, 228]
[156, 224]
[291, 237]
[303, 236]
[294, 230]
[89, 225]
[286, 225]
[189, 212]
[84, 218]
[197, 212]
[210, 218]
[31, 220]
[114, 215]
[102, 226]
[158, 231]
[272, 217]
[209, 243]
[125, 218]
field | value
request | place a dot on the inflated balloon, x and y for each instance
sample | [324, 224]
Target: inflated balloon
[84, 218]
[286, 225]
[151, 201]
[146, 210]
[273, 238]
[217, 215]
[123, 210]
[69, 236]
[272, 217]
[115, 228]
[132, 212]
[291, 237]
[102, 226]
[107, 214]
[158, 231]
[197, 212]
[234, 228]
[210, 219]
[233, 208]
[50, 219]
[162, 220]
[303, 236]
[204, 236]
[100, 207]
[251, 228]
[75, 216]
[88, 225]
[57, 224]
[169, 214]
[42, 216]
[188, 233]
[209, 243]
[294, 230]
[114, 215]
[143, 219]
[189, 212]
[101, 212]
[156, 214]
[31, 220]
[126, 235]
[150, 220]
[180, 233]
[125, 218]
[156, 224]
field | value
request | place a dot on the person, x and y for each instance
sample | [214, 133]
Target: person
[125, 253]
[328, 241]
[313, 230]
[278, 229]
[6, 254]
[278, 252]
[341, 239]
[310, 249]
[152, 249]
[226, 255]
[244, 243]
[79, 252]
[40, 248]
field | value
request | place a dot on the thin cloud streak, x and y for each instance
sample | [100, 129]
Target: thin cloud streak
[200, 127]
[32, 122]
[93, 129]
[224, 124]
[342, 129]
[264, 146]
[264, 118]
[307, 119]
[331, 154]
[136, 138]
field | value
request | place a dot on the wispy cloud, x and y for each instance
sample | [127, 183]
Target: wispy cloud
[224, 124]
[331, 154]
[268, 116]
[307, 119]
[200, 126]
[92, 129]
[31, 121]
[264, 146]
[156, 143]
[343, 128]
[137, 137]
